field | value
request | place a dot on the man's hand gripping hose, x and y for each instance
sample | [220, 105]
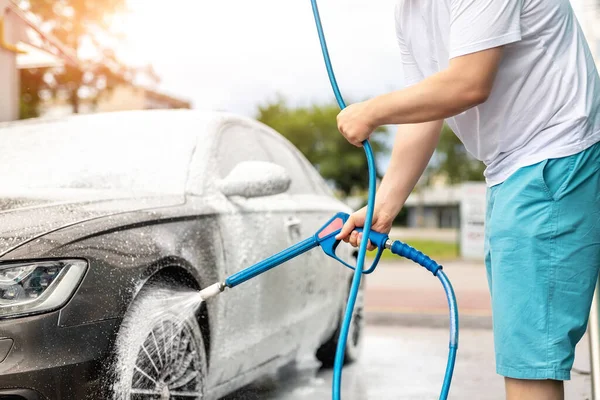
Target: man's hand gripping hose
[326, 239]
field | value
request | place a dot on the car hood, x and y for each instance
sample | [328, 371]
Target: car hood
[29, 215]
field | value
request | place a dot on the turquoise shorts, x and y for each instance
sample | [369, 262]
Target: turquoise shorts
[542, 254]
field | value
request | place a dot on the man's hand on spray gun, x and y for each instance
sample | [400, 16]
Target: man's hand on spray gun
[382, 223]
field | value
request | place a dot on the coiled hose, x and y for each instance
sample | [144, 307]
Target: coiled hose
[397, 247]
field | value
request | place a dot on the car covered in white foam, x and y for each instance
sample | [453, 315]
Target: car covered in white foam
[109, 225]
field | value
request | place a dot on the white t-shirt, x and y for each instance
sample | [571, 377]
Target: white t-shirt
[545, 102]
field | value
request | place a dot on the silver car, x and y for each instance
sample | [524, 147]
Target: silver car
[110, 223]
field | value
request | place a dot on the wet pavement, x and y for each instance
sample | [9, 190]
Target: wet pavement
[406, 343]
[400, 291]
[402, 362]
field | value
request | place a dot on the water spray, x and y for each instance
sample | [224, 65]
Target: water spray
[325, 238]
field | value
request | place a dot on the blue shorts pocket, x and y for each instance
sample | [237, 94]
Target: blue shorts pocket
[555, 174]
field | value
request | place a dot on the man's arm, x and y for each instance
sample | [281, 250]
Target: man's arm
[413, 148]
[466, 83]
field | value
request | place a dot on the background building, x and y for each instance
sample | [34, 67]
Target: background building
[25, 46]
[434, 207]
[131, 97]
[121, 98]
[461, 207]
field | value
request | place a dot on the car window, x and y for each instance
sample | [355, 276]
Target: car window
[317, 180]
[238, 143]
[282, 154]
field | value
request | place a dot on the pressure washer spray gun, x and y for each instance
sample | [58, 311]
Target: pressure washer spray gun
[325, 238]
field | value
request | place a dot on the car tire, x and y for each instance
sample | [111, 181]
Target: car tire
[326, 353]
[160, 354]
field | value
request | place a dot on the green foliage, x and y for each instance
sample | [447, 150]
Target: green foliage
[440, 251]
[313, 130]
[455, 163]
[70, 21]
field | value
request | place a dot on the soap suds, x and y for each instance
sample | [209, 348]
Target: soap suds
[159, 349]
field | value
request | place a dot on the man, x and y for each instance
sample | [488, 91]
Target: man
[516, 82]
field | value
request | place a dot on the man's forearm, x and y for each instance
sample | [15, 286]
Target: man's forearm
[413, 148]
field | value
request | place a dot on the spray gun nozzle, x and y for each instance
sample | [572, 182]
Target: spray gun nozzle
[212, 291]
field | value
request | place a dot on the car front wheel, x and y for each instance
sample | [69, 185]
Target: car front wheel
[160, 351]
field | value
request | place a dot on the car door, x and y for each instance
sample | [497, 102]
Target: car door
[313, 278]
[252, 229]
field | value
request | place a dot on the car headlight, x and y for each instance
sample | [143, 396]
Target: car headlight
[39, 286]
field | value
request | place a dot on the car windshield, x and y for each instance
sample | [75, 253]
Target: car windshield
[143, 153]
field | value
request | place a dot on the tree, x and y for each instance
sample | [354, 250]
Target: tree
[313, 130]
[455, 163]
[73, 22]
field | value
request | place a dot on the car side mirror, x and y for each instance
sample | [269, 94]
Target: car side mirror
[255, 179]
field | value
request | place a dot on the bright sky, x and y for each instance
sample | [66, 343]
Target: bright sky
[235, 54]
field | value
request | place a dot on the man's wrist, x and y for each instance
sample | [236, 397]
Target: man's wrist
[386, 213]
[375, 108]
[390, 196]
[379, 109]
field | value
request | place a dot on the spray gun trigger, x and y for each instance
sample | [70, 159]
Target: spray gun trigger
[326, 239]
[330, 245]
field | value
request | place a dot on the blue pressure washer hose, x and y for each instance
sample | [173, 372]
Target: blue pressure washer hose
[325, 238]
[397, 247]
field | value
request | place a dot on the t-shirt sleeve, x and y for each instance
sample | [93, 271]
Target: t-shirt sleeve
[412, 73]
[477, 25]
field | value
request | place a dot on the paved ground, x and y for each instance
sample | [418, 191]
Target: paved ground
[408, 363]
[403, 292]
[406, 343]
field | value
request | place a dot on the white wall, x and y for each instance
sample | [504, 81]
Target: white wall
[9, 82]
[9, 75]
[472, 220]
